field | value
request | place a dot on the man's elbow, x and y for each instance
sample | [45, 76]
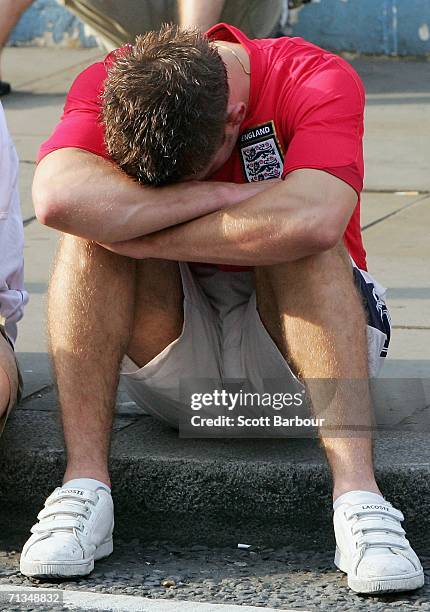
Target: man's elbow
[43, 207]
[49, 206]
[325, 239]
[325, 235]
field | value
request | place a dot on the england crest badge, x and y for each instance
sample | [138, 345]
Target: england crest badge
[261, 153]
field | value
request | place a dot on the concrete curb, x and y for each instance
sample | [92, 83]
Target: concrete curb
[216, 492]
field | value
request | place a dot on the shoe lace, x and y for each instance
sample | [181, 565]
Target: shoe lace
[66, 510]
[376, 526]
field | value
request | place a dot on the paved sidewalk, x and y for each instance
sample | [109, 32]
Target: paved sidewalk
[293, 576]
[88, 600]
[219, 492]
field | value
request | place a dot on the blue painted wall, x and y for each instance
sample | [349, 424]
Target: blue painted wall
[48, 23]
[391, 27]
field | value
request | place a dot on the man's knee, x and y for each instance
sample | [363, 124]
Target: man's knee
[304, 287]
[81, 253]
[306, 271]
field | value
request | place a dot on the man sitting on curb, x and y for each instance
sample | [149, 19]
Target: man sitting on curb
[181, 259]
[13, 297]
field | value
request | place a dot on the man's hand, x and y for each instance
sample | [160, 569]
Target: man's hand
[138, 248]
[303, 215]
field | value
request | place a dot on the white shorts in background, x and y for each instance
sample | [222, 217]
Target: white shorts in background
[223, 338]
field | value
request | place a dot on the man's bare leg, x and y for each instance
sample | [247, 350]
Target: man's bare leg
[314, 313]
[92, 321]
[90, 314]
[93, 314]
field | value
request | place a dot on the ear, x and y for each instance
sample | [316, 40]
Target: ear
[236, 113]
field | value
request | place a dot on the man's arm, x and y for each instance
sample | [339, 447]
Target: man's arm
[305, 214]
[83, 194]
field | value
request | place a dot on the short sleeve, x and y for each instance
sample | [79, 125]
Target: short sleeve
[80, 125]
[324, 118]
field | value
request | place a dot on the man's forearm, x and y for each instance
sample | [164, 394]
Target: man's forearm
[82, 194]
[270, 228]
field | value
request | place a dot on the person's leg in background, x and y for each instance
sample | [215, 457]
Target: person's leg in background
[117, 23]
[314, 314]
[10, 12]
[198, 14]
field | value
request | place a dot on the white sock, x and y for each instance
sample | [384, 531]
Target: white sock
[359, 497]
[86, 483]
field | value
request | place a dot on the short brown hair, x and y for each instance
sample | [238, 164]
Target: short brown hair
[165, 105]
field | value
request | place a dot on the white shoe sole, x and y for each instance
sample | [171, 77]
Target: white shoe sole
[65, 569]
[382, 584]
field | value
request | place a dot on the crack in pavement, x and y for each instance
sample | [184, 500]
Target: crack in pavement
[418, 327]
[422, 198]
[36, 394]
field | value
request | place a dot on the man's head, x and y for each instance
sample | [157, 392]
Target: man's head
[165, 107]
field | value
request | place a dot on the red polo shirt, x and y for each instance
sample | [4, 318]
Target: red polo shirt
[305, 110]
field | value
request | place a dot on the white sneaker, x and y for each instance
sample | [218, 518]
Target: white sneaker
[74, 529]
[371, 546]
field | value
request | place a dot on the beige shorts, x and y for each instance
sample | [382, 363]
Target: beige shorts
[223, 338]
[116, 23]
[9, 364]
